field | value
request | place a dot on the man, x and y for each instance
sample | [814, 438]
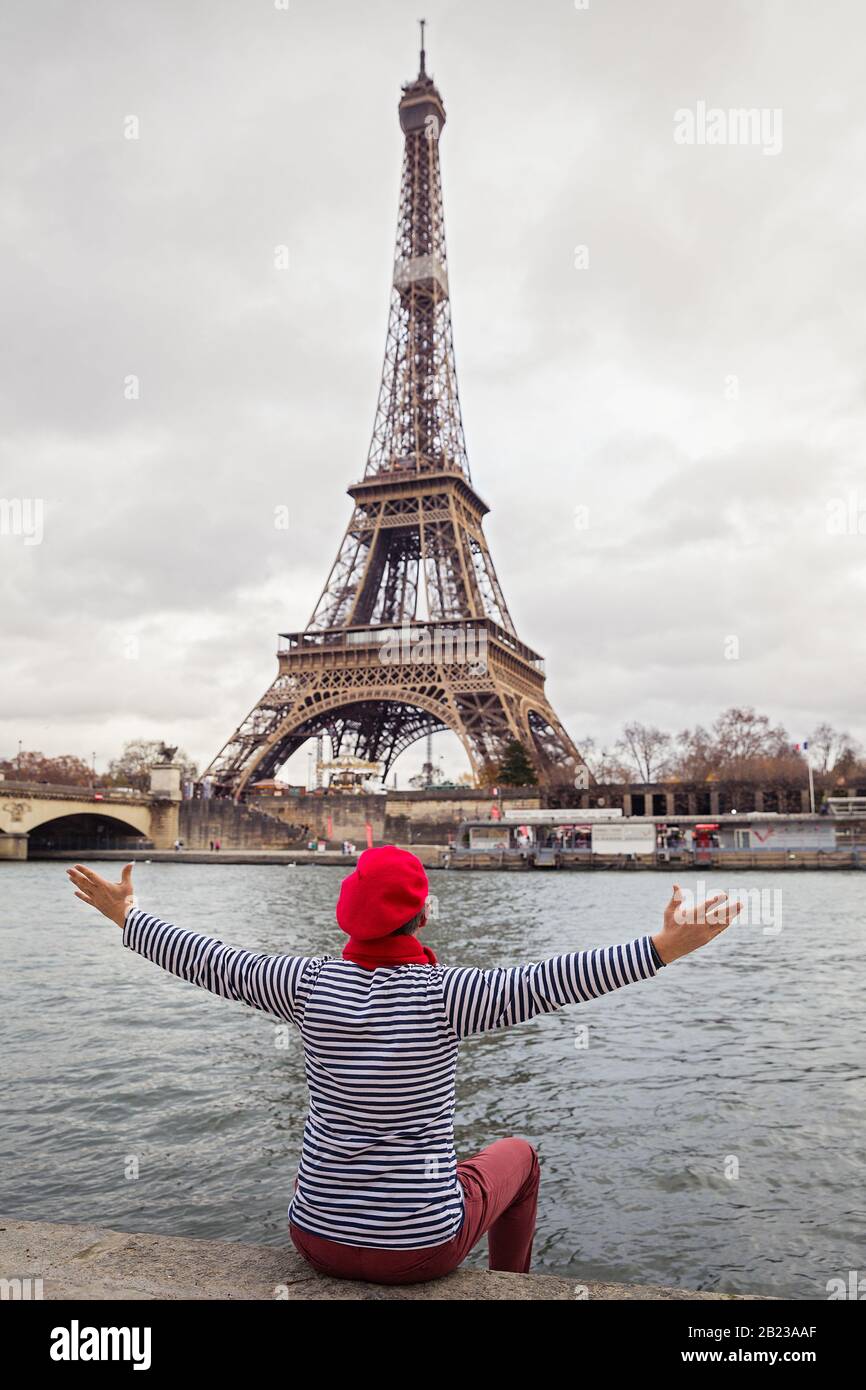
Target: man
[379, 1193]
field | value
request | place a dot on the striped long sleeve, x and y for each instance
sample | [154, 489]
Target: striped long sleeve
[264, 982]
[477, 1001]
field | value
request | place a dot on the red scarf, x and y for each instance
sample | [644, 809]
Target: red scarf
[388, 950]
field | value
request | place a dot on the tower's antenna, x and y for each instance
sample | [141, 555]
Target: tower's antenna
[423, 70]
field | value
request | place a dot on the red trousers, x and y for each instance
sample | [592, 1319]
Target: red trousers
[500, 1190]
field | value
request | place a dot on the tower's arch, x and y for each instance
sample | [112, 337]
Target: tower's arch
[377, 729]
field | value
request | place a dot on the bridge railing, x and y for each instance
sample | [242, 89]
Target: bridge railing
[74, 792]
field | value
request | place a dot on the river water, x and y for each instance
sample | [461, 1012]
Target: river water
[704, 1129]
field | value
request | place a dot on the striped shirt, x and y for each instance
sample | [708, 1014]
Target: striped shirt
[378, 1166]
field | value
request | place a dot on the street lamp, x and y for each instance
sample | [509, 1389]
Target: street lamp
[803, 748]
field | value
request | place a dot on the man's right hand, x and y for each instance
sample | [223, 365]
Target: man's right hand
[686, 929]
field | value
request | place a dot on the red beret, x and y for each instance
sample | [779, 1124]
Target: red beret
[387, 889]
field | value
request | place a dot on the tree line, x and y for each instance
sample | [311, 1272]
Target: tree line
[740, 746]
[130, 769]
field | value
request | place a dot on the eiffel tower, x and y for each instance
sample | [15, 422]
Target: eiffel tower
[411, 634]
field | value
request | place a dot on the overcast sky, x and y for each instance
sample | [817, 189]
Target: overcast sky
[698, 386]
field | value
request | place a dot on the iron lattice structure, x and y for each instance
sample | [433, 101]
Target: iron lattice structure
[411, 634]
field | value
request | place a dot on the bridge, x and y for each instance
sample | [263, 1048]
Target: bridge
[40, 816]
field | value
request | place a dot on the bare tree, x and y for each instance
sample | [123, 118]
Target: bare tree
[832, 748]
[741, 735]
[695, 756]
[606, 766]
[741, 743]
[647, 749]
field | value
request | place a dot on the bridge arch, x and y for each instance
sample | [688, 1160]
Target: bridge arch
[85, 830]
[36, 815]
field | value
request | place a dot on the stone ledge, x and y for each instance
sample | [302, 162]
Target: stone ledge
[87, 1262]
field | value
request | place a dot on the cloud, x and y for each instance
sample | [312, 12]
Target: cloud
[697, 387]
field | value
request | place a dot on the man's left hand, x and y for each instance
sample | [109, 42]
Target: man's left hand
[113, 900]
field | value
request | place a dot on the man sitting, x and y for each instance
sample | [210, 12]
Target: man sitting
[380, 1195]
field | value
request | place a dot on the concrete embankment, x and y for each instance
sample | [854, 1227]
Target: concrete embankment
[88, 1262]
[435, 857]
[430, 856]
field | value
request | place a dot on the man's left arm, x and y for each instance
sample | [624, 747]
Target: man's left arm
[477, 1001]
[264, 982]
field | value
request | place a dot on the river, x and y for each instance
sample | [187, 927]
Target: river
[704, 1129]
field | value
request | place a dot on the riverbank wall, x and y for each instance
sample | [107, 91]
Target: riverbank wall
[435, 857]
[50, 1260]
